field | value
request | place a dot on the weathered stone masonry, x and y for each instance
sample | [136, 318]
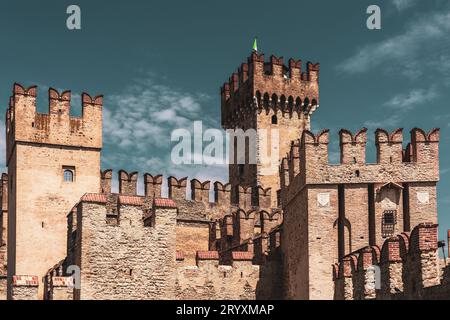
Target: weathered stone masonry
[409, 268]
[264, 235]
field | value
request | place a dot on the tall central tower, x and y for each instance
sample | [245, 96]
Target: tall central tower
[274, 100]
[53, 159]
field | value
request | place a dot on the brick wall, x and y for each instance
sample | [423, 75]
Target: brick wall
[409, 268]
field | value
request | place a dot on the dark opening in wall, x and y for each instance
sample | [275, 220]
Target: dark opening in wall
[274, 120]
[388, 223]
[406, 214]
[241, 169]
[341, 219]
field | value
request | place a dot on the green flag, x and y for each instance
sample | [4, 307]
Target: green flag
[255, 45]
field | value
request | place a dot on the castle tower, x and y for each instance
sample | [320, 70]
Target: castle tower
[275, 101]
[53, 159]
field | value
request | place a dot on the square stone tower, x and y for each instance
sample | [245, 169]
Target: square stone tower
[53, 159]
[273, 100]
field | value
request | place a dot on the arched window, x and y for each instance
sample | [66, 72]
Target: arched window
[68, 175]
[274, 120]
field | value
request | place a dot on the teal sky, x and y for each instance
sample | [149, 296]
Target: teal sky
[160, 66]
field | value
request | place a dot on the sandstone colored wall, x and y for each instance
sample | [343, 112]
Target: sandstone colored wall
[24, 288]
[211, 281]
[310, 243]
[126, 260]
[41, 201]
[128, 250]
[192, 238]
[62, 288]
[39, 148]
[3, 288]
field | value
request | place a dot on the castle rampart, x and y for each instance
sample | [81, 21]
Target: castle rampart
[130, 253]
[354, 203]
[408, 267]
[25, 125]
[263, 235]
[272, 98]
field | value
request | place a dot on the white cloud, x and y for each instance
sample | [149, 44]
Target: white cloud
[401, 5]
[401, 103]
[138, 124]
[388, 122]
[413, 98]
[426, 37]
[145, 113]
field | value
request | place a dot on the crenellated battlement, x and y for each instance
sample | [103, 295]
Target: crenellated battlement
[257, 197]
[239, 227]
[407, 267]
[237, 279]
[145, 236]
[307, 161]
[260, 85]
[57, 127]
[353, 147]
[390, 146]
[128, 183]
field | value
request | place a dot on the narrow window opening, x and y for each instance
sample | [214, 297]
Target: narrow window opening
[357, 173]
[388, 223]
[274, 120]
[68, 175]
[354, 160]
[241, 169]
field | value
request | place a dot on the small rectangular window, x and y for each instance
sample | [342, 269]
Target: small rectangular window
[388, 223]
[69, 174]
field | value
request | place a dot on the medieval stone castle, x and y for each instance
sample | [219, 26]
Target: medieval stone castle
[310, 231]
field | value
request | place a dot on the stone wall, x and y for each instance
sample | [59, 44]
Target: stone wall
[41, 148]
[3, 288]
[408, 267]
[62, 288]
[209, 280]
[128, 254]
[24, 288]
[129, 248]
